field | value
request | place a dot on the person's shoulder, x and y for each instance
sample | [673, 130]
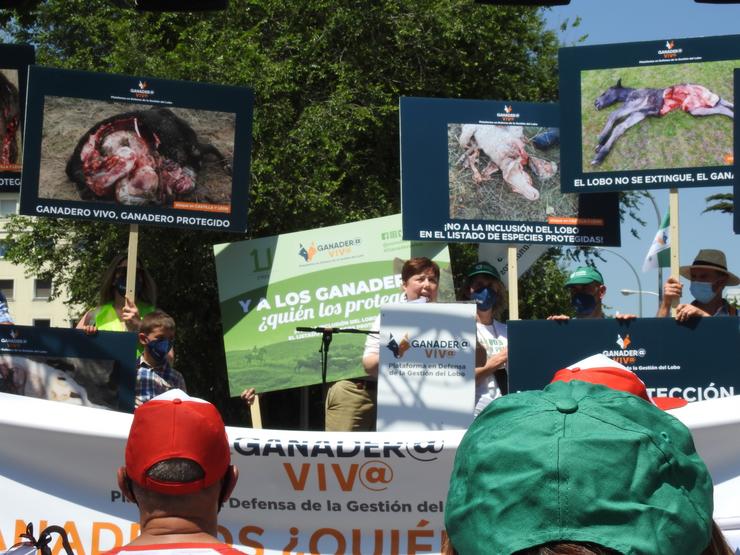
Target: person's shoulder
[177, 549]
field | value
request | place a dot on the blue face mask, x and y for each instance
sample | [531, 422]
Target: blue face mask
[120, 286]
[158, 349]
[583, 303]
[702, 291]
[484, 299]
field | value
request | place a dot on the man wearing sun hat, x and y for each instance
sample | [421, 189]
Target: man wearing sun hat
[583, 463]
[709, 276]
[178, 471]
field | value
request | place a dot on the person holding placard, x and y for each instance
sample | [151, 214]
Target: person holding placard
[484, 286]
[115, 312]
[351, 405]
[587, 290]
[709, 276]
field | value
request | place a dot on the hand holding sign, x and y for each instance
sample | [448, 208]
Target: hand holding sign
[130, 315]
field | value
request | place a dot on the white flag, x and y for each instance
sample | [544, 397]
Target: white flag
[660, 250]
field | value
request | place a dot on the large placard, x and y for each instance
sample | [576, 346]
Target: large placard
[14, 62]
[696, 361]
[336, 276]
[648, 115]
[426, 379]
[736, 185]
[69, 366]
[488, 171]
[136, 150]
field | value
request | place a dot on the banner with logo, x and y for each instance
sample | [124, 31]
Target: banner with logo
[648, 115]
[427, 366]
[69, 366]
[486, 171]
[336, 276]
[136, 150]
[14, 62]
[298, 492]
[696, 361]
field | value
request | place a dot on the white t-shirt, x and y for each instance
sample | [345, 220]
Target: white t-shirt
[493, 339]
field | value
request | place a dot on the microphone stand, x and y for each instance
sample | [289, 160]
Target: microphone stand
[326, 337]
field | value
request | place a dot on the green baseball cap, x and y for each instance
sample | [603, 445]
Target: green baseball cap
[584, 275]
[578, 462]
[483, 268]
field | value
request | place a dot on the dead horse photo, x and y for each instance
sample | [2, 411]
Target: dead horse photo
[697, 100]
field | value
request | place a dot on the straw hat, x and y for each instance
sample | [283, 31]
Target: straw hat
[711, 259]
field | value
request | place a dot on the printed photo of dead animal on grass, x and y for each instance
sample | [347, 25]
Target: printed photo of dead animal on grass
[505, 173]
[657, 117]
[11, 145]
[76, 381]
[100, 151]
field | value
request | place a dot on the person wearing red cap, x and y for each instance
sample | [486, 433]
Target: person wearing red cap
[178, 471]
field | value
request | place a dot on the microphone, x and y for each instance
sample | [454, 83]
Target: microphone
[318, 330]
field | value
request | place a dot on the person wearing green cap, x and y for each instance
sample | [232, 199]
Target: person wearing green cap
[484, 286]
[587, 289]
[580, 464]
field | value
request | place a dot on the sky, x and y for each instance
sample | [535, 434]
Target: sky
[614, 21]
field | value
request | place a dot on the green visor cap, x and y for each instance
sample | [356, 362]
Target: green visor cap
[483, 268]
[584, 275]
[578, 462]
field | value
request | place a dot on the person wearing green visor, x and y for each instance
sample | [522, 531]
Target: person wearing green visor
[587, 290]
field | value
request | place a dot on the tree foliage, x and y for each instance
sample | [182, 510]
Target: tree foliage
[327, 78]
[721, 202]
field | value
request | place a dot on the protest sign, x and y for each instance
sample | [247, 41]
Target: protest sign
[648, 115]
[497, 255]
[136, 150]
[298, 492]
[426, 379]
[68, 365]
[696, 360]
[14, 62]
[488, 171]
[736, 186]
[336, 276]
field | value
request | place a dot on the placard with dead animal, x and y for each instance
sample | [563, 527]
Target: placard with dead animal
[137, 150]
[69, 366]
[14, 62]
[648, 115]
[487, 171]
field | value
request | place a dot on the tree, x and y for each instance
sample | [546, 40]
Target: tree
[723, 202]
[327, 77]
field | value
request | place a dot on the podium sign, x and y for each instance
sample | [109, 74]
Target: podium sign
[427, 366]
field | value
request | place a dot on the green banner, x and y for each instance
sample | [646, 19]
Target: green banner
[335, 276]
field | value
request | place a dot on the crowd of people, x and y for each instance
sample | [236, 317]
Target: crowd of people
[589, 465]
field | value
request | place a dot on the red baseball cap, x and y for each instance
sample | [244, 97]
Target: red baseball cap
[176, 426]
[600, 369]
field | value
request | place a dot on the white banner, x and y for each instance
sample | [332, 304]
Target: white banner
[299, 492]
[427, 366]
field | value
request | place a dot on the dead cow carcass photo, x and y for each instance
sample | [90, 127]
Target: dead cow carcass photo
[9, 124]
[140, 157]
[504, 172]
